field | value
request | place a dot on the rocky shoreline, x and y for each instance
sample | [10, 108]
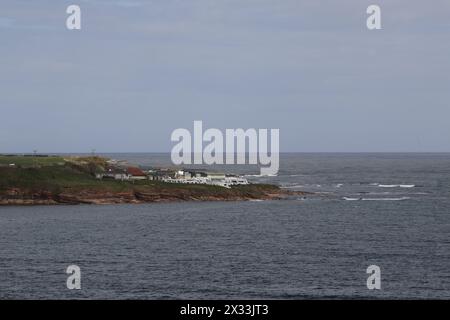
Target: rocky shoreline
[17, 197]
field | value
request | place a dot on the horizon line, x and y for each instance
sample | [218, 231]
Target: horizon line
[168, 152]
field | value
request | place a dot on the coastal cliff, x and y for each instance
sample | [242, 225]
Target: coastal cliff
[17, 196]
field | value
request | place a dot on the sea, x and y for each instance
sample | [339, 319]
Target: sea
[391, 210]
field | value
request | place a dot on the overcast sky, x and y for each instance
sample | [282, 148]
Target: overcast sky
[140, 69]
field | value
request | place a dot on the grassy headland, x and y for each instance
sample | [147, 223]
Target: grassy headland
[56, 180]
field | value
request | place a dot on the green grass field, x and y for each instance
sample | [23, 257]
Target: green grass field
[54, 174]
[29, 161]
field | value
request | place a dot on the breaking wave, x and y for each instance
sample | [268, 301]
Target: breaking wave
[392, 185]
[260, 175]
[376, 199]
[292, 186]
[386, 199]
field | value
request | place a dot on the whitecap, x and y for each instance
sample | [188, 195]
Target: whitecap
[260, 175]
[376, 199]
[292, 186]
[386, 199]
[396, 185]
[351, 199]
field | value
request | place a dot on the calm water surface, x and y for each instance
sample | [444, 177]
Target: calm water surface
[397, 216]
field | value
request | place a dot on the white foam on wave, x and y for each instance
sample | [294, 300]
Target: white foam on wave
[351, 199]
[293, 186]
[287, 186]
[260, 175]
[376, 199]
[381, 193]
[386, 199]
[396, 185]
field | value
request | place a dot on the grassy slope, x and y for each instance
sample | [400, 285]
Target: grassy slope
[254, 190]
[52, 178]
[71, 177]
[30, 161]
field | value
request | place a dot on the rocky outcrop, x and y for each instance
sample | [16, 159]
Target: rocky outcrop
[22, 197]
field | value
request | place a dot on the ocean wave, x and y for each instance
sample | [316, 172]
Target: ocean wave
[379, 193]
[260, 175]
[287, 186]
[392, 193]
[292, 186]
[375, 199]
[396, 185]
[386, 199]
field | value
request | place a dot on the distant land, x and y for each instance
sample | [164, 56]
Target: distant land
[52, 180]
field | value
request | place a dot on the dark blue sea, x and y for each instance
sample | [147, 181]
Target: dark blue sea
[389, 210]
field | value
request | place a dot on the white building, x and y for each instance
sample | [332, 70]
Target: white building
[215, 179]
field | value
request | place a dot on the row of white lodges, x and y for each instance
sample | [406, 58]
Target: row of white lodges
[217, 179]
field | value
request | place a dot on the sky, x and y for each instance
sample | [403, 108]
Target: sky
[137, 70]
